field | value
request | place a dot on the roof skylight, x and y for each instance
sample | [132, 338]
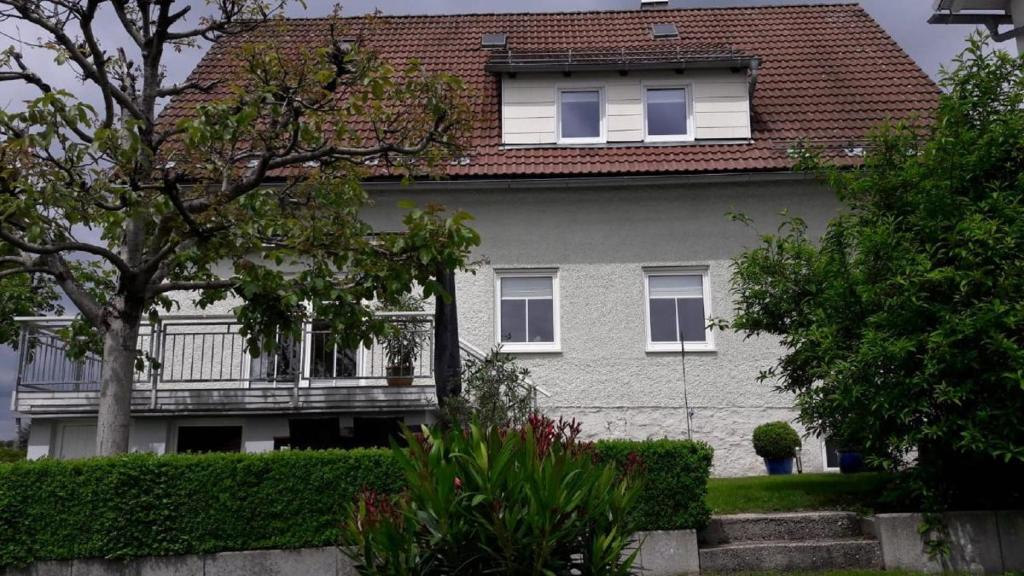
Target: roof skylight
[494, 40]
[664, 31]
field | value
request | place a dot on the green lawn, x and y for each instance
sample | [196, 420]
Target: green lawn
[837, 573]
[854, 492]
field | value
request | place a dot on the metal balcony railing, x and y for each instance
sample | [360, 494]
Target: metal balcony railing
[210, 352]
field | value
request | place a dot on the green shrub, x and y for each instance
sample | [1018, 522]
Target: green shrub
[142, 505]
[674, 480]
[145, 505]
[11, 455]
[496, 391]
[490, 500]
[776, 440]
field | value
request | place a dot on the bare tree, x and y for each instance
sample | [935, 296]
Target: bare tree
[213, 200]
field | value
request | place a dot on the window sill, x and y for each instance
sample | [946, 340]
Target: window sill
[674, 348]
[669, 140]
[520, 348]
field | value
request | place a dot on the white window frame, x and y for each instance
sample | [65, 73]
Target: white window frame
[690, 135]
[689, 346]
[528, 347]
[602, 138]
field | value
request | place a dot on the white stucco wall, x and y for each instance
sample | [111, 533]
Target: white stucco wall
[600, 240]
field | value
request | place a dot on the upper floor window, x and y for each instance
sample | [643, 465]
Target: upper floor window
[527, 311]
[678, 308]
[581, 116]
[667, 114]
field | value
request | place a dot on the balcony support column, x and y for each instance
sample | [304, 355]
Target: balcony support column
[447, 363]
[22, 361]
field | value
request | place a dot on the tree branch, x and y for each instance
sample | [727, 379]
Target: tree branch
[65, 278]
[53, 249]
[190, 286]
[25, 270]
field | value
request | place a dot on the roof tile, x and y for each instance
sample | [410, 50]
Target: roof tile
[828, 75]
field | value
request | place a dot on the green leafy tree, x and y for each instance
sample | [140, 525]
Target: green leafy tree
[904, 324]
[255, 195]
[496, 392]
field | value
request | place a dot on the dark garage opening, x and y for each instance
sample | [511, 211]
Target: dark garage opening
[375, 432]
[209, 439]
[314, 434]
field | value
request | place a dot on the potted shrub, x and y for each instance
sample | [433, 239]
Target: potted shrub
[403, 341]
[776, 442]
[851, 458]
[851, 461]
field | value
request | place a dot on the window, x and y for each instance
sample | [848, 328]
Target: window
[667, 114]
[274, 367]
[527, 311]
[678, 309]
[581, 116]
[830, 454]
[327, 359]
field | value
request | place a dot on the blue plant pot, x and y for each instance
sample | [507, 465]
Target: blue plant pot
[850, 462]
[778, 466]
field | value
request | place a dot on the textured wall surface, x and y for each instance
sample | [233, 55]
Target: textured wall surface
[600, 240]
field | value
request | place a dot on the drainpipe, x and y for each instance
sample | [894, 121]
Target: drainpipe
[1017, 12]
[682, 356]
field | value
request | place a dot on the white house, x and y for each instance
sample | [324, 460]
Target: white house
[607, 149]
[1004, 19]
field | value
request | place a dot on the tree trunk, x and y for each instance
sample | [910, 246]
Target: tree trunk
[447, 362]
[113, 424]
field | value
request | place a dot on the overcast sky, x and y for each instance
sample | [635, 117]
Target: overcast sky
[905, 20]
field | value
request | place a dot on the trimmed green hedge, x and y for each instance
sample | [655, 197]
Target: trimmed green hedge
[145, 505]
[675, 480]
[11, 455]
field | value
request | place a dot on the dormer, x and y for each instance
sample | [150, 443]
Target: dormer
[656, 94]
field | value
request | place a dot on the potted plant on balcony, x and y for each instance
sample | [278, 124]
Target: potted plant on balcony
[776, 442]
[403, 341]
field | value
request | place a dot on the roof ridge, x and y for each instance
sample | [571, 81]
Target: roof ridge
[807, 4]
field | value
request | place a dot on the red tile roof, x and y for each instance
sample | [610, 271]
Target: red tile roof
[829, 73]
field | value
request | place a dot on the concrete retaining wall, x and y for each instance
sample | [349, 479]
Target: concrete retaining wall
[980, 542]
[663, 554]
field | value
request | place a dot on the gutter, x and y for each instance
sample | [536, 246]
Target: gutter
[589, 182]
[512, 67]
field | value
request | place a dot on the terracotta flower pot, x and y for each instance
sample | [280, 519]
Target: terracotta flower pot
[399, 376]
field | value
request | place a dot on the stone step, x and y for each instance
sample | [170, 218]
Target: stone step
[739, 528]
[790, 556]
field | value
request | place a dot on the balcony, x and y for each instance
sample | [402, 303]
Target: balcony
[203, 367]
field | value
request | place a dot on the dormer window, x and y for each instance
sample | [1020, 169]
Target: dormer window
[667, 114]
[581, 116]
